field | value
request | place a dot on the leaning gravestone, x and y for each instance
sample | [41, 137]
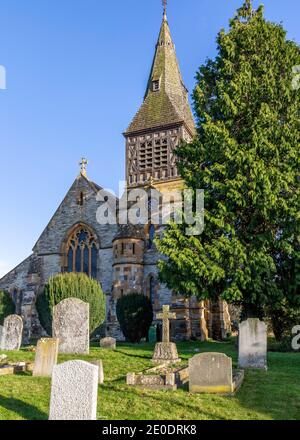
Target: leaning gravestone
[212, 373]
[109, 343]
[253, 344]
[12, 333]
[71, 326]
[74, 391]
[45, 357]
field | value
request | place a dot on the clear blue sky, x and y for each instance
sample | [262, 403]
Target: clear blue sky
[76, 74]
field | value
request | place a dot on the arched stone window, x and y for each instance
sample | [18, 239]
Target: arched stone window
[152, 289]
[81, 251]
[151, 236]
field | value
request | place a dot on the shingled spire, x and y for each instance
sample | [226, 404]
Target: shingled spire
[166, 97]
[163, 119]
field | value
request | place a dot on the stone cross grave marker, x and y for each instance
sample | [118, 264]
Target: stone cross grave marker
[71, 325]
[165, 351]
[165, 316]
[45, 356]
[12, 333]
[74, 391]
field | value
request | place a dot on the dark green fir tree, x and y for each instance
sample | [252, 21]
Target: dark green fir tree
[246, 158]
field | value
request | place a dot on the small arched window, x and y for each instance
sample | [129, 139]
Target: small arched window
[151, 236]
[152, 289]
[82, 252]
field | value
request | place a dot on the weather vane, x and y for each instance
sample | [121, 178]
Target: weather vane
[165, 2]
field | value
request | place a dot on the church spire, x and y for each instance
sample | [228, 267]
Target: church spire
[163, 120]
[166, 97]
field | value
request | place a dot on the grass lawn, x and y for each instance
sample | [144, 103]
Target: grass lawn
[264, 395]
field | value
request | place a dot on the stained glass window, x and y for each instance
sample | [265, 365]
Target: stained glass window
[70, 259]
[82, 252]
[94, 260]
[86, 260]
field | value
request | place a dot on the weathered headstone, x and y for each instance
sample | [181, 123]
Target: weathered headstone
[74, 391]
[253, 344]
[45, 357]
[165, 351]
[99, 364]
[2, 337]
[12, 333]
[109, 343]
[71, 326]
[212, 373]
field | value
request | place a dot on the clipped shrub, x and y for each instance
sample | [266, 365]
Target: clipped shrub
[7, 306]
[71, 285]
[135, 315]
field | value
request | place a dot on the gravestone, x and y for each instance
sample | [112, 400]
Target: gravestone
[109, 343]
[45, 357]
[12, 333]
[212, 373]
[99, 364]
[253, 344]
[74, 390]
[165, 351]
[71, 326]
[152, 334]
[2, 337]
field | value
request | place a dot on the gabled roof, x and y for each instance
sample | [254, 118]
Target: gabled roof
[81, 179]
[170, 104]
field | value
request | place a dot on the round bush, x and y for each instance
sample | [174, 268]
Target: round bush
[71, 285]
[135, 315]
[7, 306]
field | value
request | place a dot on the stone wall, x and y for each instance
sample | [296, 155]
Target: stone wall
[16, 278]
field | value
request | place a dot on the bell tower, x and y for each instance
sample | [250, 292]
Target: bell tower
[163, 119]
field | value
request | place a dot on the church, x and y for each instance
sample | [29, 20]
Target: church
[123, 258]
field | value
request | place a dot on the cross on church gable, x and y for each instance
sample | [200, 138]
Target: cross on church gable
[165, 316]
[83, 164]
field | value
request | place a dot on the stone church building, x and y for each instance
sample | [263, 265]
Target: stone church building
[123, 258]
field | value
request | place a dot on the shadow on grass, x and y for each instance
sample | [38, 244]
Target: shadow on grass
[276, 392]
[148, 357]
[23, 409]
[174, 401]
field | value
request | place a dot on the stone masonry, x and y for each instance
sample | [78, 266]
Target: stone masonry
[123, 259]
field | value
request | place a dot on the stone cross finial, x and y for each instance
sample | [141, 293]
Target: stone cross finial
[83, 164]
[165, 316]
